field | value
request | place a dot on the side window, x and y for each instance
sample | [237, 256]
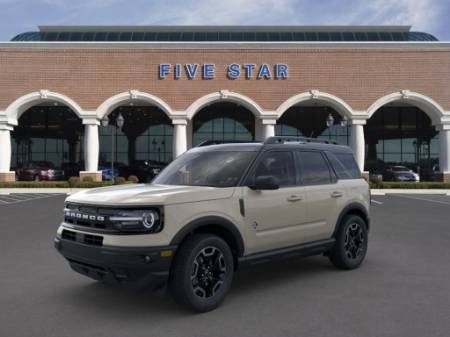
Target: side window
[345, 165]
[279, 164]
[314, 168]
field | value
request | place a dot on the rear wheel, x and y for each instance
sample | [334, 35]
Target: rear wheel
[202, 272]
[350, 248]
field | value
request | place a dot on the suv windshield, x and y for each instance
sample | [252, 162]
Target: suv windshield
[207, 168]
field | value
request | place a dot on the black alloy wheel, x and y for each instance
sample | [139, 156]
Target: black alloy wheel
[208, 272]
[350, 247]
[354, 241]
[202, 272]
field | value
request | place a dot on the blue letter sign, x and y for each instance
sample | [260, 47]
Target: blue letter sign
[191, 70]
[164, 70]
[208, 71]
[234, 71]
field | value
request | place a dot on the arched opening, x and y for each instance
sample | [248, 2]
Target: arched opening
[141, 147]
[315, 121]
[223, 122]
[47, 143]
[400, 134]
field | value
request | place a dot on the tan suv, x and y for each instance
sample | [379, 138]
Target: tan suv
[218, 208]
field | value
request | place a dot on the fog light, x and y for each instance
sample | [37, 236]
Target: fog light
[166, 253]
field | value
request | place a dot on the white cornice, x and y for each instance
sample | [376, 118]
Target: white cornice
[417, 45]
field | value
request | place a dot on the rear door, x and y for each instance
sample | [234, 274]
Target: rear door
[273, 218]
[324, 194]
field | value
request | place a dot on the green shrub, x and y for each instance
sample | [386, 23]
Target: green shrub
[87, 179]
[34, 184]
[74, 181]
[120, 181]
[92, 184]
[133, 179]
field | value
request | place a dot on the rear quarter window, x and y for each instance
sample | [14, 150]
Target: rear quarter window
[344, 165]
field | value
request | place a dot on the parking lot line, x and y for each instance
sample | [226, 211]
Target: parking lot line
[423, 199]
[376, 202]
[21, 196]
[11, 200]
[7, 197]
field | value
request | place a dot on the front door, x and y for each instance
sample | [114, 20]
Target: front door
[273, 217]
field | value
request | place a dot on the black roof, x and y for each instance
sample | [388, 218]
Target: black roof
[223, 34]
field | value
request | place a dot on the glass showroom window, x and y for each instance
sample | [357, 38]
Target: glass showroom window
[51, 134]
[223, 122]
[145, 136]
[312, 122]
[401, 136]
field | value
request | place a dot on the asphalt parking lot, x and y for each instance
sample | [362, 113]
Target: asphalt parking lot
[402, 289]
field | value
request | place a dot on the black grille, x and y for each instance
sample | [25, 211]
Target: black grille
[97, 219]
[93, 240]
[88, 239]
[88, 265]
[88, 216]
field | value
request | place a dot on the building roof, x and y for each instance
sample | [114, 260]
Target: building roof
[223, 34]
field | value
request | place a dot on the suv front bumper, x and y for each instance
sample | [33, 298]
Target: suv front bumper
[140, 266]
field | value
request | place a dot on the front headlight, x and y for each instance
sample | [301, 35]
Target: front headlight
[137, 221]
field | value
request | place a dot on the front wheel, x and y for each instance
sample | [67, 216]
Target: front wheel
[202, 272]
[350, 248]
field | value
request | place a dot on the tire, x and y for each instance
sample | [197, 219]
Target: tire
[202, 272]
[350, 248]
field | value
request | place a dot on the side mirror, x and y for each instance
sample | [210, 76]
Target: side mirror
[265, 183]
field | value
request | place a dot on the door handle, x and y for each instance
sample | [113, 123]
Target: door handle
[337, 194]
[294, 198]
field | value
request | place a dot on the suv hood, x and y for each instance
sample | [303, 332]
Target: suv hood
[145, 194]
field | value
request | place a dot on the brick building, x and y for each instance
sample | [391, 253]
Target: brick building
[383, 90]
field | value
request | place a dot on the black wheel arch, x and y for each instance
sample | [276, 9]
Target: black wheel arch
[217, 225]
[356, 209]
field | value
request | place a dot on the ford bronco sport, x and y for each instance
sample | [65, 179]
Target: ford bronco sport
[218, 208]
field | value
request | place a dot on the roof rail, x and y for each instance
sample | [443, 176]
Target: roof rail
[288, 139]
[218, 142]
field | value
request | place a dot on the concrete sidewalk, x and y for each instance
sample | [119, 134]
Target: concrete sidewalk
[73, 190]
[409, 191]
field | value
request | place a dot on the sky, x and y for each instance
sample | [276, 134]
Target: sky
[17, 16]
